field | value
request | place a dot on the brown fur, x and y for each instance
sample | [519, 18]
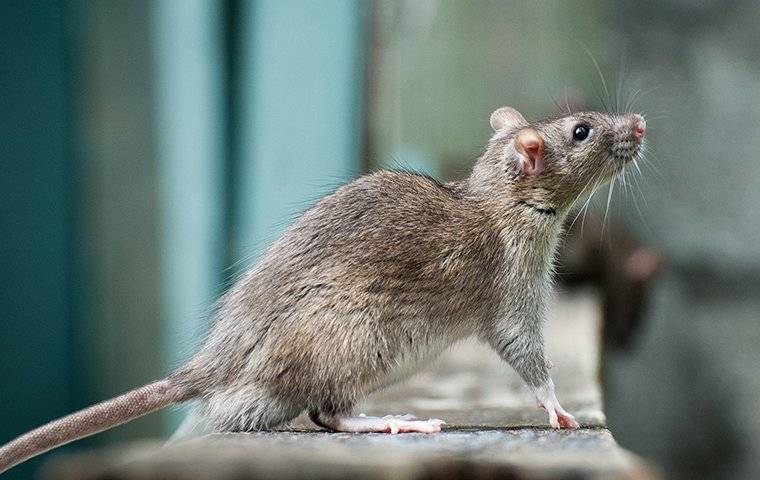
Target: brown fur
[392, 268]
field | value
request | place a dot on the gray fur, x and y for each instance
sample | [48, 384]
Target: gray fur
[379, 276]
[391, 269]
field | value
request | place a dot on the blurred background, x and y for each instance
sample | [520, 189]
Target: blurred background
[150, 150]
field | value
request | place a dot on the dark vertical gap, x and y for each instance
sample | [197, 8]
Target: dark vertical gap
[71, 219]
[370, 53]
[76, 255]
[96, 93]
[231, 46]
[77, 262]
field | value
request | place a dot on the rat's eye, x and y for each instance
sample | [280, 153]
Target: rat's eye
[580, 133]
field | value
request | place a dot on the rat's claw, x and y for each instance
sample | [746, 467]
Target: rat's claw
[393, 426]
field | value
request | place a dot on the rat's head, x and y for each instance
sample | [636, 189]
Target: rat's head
[553, 161]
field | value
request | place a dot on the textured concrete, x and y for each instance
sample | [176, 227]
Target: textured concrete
[494, 428]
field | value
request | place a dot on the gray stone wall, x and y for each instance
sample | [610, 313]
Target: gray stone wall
[686, 396]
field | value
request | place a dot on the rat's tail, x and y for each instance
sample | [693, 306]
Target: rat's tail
[91, 420]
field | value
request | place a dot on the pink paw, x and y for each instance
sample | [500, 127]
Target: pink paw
[559, 418]
[408, 423]
[565, 420]
[390, 424]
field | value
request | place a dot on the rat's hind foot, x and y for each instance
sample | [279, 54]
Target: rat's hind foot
[387, 424]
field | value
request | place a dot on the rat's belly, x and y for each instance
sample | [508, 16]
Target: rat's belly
[410, 360]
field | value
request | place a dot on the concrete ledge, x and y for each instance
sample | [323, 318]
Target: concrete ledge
[494, 427]
[459, 452]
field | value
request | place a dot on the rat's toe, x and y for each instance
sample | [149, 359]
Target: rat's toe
[567, 421]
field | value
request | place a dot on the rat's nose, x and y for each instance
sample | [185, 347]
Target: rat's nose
[639, 126]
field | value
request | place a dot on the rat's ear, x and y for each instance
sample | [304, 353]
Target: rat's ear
[530, 147]
[507, 117]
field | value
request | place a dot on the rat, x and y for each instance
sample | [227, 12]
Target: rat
[381, 276]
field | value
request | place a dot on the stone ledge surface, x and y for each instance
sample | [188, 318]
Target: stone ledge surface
[494, 428]
[458, 452]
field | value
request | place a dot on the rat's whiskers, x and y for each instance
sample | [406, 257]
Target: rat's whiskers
[584, 208]
[607, 208]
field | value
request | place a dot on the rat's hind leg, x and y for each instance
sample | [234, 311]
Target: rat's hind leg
[363, 423]
[246, 408]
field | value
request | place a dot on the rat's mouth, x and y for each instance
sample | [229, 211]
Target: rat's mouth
[625, 151]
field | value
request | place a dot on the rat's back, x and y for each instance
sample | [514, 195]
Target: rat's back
[366, 283]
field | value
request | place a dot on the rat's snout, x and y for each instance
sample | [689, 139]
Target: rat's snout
[629, 132]
[631, 126]
[638, 126]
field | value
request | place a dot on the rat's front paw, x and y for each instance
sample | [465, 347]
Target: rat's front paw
[558, 417]
[565, 420]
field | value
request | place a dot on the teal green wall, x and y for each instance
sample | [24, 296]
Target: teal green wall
[199, 129]
[36, 374]
[300, 87]
[149, 151]
[189, 88]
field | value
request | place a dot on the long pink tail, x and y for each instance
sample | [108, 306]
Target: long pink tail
[91, 420]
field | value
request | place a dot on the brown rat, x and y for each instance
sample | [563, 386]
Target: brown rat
[384, 274]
